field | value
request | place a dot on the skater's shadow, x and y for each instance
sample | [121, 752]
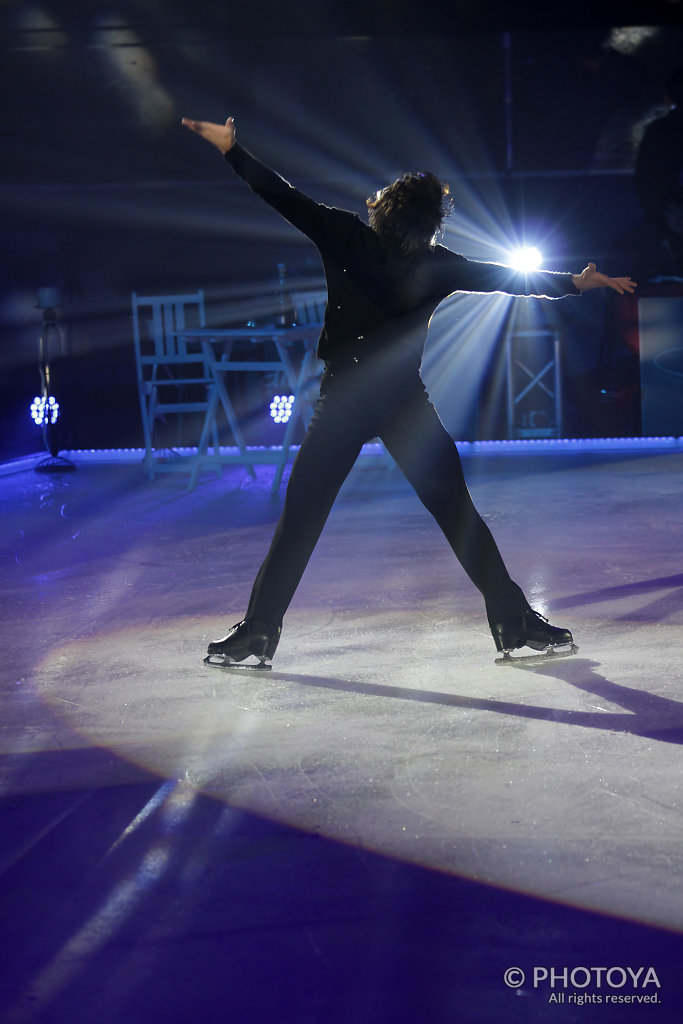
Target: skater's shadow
[645, 714]
[666, 601]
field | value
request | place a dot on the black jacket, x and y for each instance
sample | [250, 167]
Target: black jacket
[380, 301]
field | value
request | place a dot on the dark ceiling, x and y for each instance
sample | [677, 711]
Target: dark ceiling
[273, 18]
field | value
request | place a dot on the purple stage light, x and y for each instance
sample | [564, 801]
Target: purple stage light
[44, 410]
[281, 408]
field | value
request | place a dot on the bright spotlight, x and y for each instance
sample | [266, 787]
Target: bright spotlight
[528, 258]
[281, 408]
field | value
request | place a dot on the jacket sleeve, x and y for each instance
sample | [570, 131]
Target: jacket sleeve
[457, 274]
[314, 219]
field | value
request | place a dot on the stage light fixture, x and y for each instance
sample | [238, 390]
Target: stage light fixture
[526, 258]
[281, 408]
[44, 410]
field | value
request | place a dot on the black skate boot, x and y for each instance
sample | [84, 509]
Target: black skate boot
[250, 644]
[529, 629]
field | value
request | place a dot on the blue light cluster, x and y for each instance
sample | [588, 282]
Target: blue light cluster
[44, 410]
[281, 408]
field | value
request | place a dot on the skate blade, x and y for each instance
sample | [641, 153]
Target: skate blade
[549, 654]
[225, 661]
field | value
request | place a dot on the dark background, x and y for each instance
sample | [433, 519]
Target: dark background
[532, 113]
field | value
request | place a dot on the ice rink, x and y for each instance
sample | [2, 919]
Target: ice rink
[381, 827]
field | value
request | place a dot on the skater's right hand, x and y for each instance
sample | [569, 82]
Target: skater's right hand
[222, 136]
[591, 278]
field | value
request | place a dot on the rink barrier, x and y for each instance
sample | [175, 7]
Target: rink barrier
[265, 455]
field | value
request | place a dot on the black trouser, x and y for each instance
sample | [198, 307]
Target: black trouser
[355, 406]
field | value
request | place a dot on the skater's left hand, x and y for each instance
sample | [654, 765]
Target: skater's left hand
[222, 136]
[591, 278]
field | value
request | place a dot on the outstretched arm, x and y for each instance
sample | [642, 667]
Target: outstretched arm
[591, 278]
[460, 274]
[315, 220]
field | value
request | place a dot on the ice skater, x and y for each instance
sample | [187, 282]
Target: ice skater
[384, 281]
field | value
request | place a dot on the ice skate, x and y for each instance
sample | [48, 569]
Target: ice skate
[529, 629]
[250, 644]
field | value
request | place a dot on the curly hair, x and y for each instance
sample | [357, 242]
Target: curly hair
[408, 214]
